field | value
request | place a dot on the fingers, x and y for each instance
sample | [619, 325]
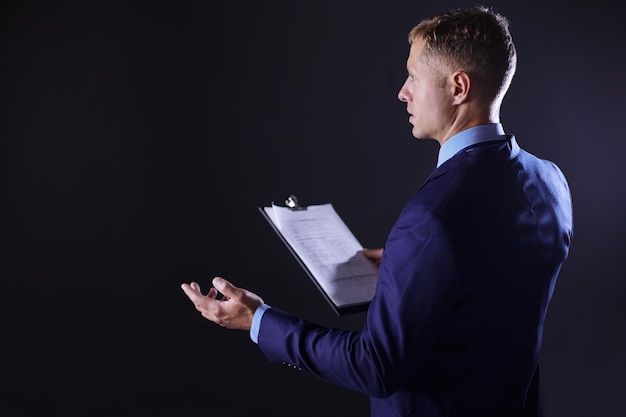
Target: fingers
[212, 293]
[225, 287]
[192, 291]
[373, 254]
[201, 302]
[234, 310]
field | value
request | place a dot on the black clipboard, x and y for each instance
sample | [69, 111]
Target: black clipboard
[293, 204]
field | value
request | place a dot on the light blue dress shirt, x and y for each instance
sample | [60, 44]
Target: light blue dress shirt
[469, 137]
[256, 322]
[458, 142]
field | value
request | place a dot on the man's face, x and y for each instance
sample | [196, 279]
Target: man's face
[427, 97]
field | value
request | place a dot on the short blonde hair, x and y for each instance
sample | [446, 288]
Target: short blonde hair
[476, 41]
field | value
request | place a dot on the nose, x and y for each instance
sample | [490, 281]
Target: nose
[403, 94]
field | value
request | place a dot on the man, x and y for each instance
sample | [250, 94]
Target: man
[469, 268]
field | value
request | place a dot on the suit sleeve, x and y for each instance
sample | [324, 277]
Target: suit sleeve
[415, 291]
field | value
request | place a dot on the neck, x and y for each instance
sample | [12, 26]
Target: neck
[466, 118]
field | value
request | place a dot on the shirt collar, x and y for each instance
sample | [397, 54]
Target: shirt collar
[469, 137]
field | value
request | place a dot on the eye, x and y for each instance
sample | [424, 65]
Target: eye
[410, 77]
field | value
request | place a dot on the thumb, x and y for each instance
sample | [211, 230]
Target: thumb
[224, 286]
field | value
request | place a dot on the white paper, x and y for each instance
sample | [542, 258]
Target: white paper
[329, 250]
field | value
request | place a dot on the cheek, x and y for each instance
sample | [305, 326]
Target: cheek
[431, 102]
[422, 98]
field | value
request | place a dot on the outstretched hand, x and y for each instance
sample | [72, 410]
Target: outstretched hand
[233, 311]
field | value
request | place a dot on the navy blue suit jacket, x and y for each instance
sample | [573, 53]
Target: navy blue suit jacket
[456, 323]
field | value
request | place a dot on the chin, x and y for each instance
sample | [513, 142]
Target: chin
[422, 136]
[418, 135]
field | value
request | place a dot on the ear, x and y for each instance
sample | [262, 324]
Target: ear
[461, 83]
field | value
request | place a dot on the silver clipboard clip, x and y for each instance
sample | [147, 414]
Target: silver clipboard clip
[293, 203]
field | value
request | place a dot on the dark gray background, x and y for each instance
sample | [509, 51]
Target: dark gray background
[138, 139]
